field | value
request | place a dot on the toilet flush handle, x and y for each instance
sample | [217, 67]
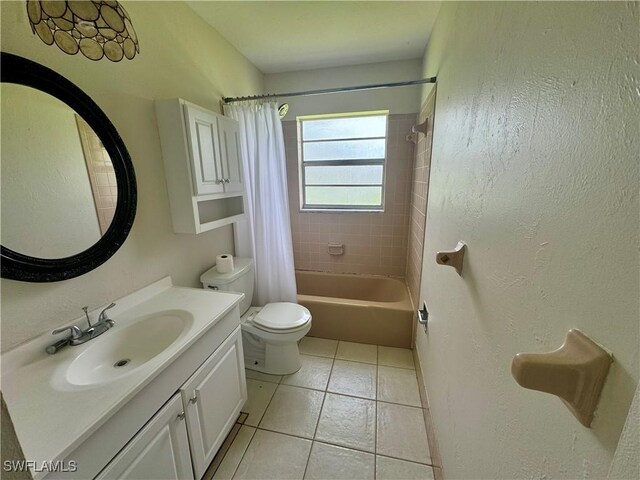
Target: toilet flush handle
[212, 287]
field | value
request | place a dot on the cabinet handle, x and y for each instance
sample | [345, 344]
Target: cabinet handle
[226, 180]
[181, 416]
[219, 181]
[194, 399]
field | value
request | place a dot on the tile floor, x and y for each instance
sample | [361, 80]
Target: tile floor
[351, 412]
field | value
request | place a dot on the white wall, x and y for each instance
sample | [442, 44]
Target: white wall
[397, 100]
[626, 463]
[180, 56]
[45, 184]
[535, 166]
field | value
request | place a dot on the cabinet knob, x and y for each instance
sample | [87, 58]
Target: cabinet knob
[226, 180]
[220, 180]
[180, 416]
[194, 399]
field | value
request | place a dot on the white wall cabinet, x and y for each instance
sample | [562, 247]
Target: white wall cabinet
[180, 441]
[213, 397]
[203, 166]
[231, 158]
[159, 450]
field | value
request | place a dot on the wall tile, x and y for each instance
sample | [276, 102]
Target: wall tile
[375, 243]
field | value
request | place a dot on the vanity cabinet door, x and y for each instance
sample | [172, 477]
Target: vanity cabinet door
[229, 134]
[204, 146]
[159, 451]
[213, 397]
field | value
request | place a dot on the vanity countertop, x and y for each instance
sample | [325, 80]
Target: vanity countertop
[52, 416]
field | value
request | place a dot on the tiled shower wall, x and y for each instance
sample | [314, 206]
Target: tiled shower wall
[418, 207]
[374, 243]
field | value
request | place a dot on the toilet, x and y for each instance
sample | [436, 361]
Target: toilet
[270, 334]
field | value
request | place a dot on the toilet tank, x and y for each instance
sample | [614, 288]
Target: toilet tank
[240, 279]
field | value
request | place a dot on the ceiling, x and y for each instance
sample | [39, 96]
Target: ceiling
[284, 36]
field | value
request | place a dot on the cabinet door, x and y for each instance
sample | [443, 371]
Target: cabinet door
[159, 451]
[213, 397]
[204, 149]
[230, 154]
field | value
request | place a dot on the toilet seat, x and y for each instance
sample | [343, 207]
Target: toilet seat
[281, 317]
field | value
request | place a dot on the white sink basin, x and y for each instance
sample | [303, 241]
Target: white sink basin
[122, 350]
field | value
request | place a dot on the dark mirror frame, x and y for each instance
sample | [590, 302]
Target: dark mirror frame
[16, 266]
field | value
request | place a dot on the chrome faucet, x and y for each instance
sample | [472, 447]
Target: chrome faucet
[78, 336]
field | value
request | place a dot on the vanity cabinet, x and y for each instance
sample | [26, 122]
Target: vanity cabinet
[203, 166]
[159, 450]
[180, 441]
[213, 397]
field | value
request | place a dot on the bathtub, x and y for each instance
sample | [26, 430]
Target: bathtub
[357, 308]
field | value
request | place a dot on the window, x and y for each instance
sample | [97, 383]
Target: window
[342, 161]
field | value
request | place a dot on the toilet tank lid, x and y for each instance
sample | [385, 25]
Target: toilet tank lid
[240, 267]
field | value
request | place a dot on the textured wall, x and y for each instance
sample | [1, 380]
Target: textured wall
[180, 56]
[375, 243]
[535, 166]
[626, 461]
[418, 204]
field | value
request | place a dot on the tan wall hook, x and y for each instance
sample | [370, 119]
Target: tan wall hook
[453, 258]
[421, 127]
[575, 372]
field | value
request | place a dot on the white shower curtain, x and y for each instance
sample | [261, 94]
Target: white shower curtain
[268, 227]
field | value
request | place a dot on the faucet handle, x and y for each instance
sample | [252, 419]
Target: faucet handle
[75, 332]
[103, 314]
[86, 314]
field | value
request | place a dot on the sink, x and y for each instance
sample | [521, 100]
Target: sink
[126, 348]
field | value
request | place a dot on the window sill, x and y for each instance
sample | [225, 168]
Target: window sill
[341, 210]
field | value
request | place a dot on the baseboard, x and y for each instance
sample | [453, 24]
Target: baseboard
[431, 436]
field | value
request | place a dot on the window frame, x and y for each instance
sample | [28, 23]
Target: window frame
[304, 207]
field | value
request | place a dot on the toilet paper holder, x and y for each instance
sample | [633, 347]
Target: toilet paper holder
[575, 372]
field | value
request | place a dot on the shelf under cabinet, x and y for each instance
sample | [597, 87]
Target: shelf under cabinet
[217, 212]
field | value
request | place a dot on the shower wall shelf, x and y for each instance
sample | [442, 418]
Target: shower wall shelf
[575, 372]
[453, 258]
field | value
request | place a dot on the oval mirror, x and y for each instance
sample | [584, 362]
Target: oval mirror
[68, 185]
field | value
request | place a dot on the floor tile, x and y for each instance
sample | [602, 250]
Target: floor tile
[313, 374]
[337, 463]
[348, 421]
[264, 377]
[274, 456]
[395, 357]
[234, 455]
[357, 352]
[398, 385]
[294, 411]
[320, 347]
[401, 433]
[353, 378]
[393, 469]
[259, 395]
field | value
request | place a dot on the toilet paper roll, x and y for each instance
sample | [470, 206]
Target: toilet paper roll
[224, 263]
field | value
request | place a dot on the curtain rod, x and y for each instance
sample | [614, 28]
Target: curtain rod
[331, 90]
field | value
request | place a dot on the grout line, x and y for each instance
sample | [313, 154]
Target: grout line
[267, 407]
[357, 449]
[255, 429]
[375, 424]
[315, 430]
